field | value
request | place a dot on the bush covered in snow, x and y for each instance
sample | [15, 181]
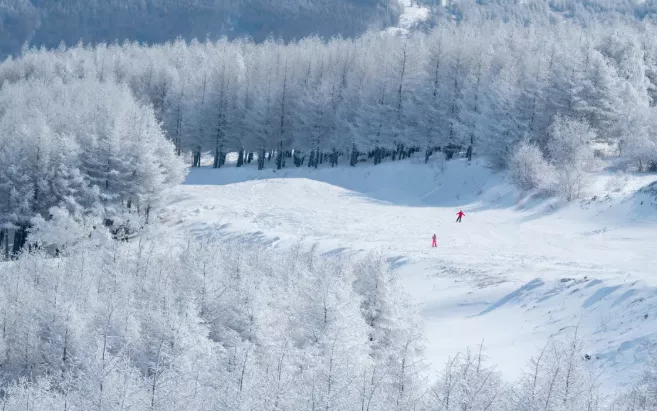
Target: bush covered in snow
[564, 166]
[570, 151]
[529, 169]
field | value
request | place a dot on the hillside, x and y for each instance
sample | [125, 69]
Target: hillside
[516, 272]
[245, 223]
[44, 23]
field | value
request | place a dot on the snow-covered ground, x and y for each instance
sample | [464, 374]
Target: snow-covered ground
[517, 271]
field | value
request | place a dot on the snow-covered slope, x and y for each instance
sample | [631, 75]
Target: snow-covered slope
[517, 271]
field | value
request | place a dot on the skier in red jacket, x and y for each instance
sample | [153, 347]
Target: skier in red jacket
[459, 215]
[433, 243]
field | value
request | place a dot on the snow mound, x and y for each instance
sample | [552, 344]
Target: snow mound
[408, 183]
[650, 190]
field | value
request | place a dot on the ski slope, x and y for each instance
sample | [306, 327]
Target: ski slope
[516, 272]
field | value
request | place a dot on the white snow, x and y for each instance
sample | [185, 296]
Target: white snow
[515, 272]
[413, 13]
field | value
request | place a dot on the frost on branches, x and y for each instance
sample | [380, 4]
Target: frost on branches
[529, 168]
[563, 167]
[476, 88]
[222, 326]
[209, 325]
[83, 148]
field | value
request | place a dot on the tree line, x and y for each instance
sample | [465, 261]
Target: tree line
[103, 130]
[471, 87]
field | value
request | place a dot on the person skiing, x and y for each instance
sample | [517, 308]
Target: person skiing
[459, 215]
[433, 243]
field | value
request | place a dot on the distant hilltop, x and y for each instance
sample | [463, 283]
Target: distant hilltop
[51, 23]
[44, 23]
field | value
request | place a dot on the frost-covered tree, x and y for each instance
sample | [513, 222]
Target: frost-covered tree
[62, 146]
[570, 151]
[558, 378]
[473, 87]
[197, 325]
[529, 168]
[468, 383]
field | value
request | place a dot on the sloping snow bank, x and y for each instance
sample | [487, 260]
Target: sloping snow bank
[517, 271]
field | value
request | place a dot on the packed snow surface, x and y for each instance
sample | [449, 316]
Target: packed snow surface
[517, 271]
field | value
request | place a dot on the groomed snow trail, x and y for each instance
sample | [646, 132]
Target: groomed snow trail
[515, 272]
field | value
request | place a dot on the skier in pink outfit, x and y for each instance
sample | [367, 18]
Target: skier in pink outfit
[459, 215]
[433, 243]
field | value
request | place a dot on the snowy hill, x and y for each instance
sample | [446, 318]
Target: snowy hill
[516, 272]
[40, 23]
[47, 24]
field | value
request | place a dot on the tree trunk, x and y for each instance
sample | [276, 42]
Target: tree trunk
[261, 159]
[311, 160]
[4, 235]
[196, 162]
[354, 156]
[218, 157]
[6, 243]
[378, 153]
[298, 161]
[449, 151]
[280, 156]
[20, 236]
[240, 158]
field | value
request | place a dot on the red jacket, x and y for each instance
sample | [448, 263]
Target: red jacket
[460, 214]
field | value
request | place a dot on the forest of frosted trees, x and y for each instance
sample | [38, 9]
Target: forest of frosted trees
[532, 98]
[95, 136]
[103, 131]
[208, 325]
[489, 85]
[84, 148]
